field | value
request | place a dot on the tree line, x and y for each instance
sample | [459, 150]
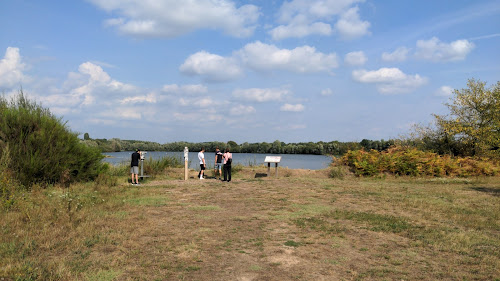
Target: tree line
[276, 147]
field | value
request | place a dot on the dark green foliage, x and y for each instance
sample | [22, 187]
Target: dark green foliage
[41, 147]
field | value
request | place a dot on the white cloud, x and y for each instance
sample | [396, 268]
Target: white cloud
[292, 107]
[355, 58]
[300, 30]
[301, 18]
[96, 82]
[194, 89]
[11, 68]
[170, 18]
[150, 98]
[437, 51]
[444, 91]
[399, 55]
[390, 80]
[305, 59]
[197, 102]
[260, 95]
[211, 67]
[350, 26]
[242, 110]
[326, 92]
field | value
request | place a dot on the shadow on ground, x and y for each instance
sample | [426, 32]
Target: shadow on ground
[489, 190]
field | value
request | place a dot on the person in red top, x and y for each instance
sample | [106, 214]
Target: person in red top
[228, 159]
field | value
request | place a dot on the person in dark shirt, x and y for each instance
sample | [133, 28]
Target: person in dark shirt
[134, 166]
[218, 162]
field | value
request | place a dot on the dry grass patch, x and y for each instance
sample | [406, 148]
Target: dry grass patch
[302, 226]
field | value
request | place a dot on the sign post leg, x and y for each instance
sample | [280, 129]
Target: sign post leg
[276, 167]
[185, 169]
[268, 169]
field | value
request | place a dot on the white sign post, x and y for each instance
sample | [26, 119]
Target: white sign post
[275, 160]
[186, 155]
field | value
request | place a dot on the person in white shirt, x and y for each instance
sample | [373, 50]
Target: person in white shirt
[201, 157]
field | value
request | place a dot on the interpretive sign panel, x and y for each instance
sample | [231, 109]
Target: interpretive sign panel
[272, 159]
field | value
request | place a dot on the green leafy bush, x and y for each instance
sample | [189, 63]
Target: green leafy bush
[42, 148]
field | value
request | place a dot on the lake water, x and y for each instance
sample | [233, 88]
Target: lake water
[292, 161]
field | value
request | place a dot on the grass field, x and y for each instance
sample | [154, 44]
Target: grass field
[301, 226]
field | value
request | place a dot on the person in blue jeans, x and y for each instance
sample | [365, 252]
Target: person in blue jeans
[218, 162]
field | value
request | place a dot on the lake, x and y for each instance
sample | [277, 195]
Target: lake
[292, 161]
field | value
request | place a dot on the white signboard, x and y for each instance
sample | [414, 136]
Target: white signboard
[272, 159]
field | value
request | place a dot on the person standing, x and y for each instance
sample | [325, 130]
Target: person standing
[134, 166]
[228, 159]
[201, 157]
[218, 162]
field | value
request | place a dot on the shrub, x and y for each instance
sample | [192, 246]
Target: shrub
[412, 162]
[42, 148]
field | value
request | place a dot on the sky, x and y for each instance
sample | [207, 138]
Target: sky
[246, 71]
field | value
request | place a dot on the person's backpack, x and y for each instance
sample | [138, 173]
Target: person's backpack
[229, 160]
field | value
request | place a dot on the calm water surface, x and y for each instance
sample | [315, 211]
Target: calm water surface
[292, 161]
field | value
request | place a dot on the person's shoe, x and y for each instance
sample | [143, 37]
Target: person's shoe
[201, 178]
[137, 183]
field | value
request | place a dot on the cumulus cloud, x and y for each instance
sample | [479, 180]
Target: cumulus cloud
[299, 29]
[264, 57]
[399, 55]
[170, 18]
[355, 58]
[259, 57]
[11, 68]
[211, 67]
[437, 51]
[444, 91]
[242, 110]
[98, 83]
[301, 18]
[194, 89]
[350, 26]
[390, 80]
[260, 95]
[292, 107]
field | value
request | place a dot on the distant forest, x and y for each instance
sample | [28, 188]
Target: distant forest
[276, 147]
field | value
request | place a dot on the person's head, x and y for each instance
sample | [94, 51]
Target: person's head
[217, 148]
[202, 149]
[137, 150]
[227, 149]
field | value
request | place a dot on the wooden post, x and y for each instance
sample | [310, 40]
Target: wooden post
[268, 169]
[276, 175]
[186, 153]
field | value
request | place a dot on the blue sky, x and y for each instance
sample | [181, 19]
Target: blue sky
[247, 71]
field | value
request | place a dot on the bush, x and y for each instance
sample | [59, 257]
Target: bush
[412, 162]
[41, 147]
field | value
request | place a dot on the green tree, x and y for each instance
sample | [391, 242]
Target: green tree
[474, 118]
[86, 136]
